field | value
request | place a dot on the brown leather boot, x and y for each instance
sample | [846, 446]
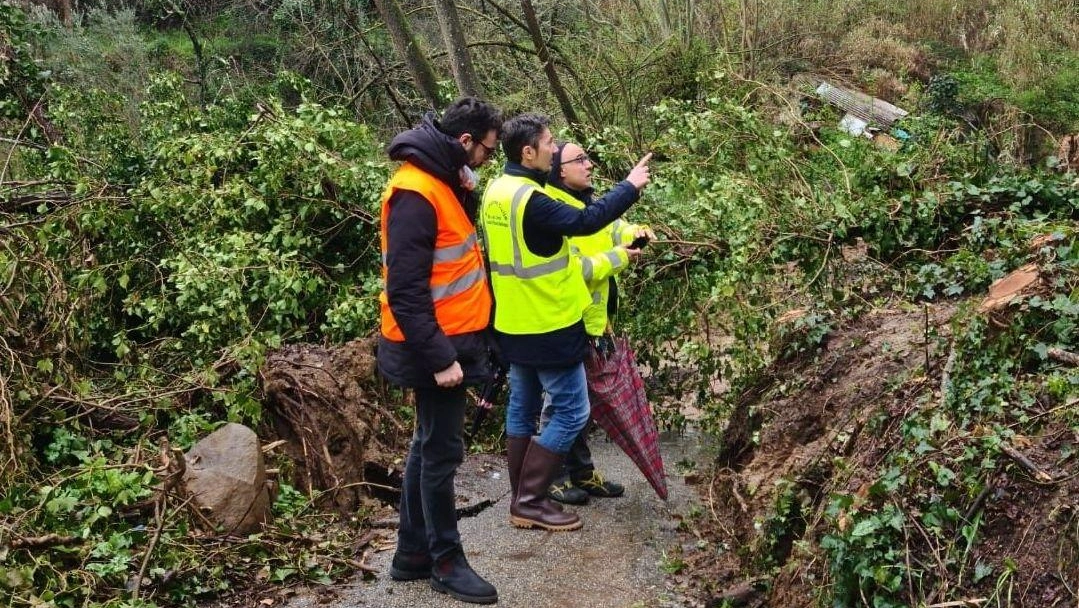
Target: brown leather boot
[516, 447]
[530, 507]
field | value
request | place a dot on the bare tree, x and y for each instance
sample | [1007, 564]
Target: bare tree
[62, 8]
[454, 38]
[544, 56]
[409, 49]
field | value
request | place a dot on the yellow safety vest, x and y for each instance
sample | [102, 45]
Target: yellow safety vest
[533, 294]
[600, 258]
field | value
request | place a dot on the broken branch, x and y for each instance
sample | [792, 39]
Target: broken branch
[42, 542]
[1063, 356]
[1026, 463]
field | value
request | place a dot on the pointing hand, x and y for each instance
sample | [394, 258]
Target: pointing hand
[641, 175]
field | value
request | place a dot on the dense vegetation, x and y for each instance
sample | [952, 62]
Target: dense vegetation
[187, 186]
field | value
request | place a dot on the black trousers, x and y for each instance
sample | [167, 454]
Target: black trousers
[579, 464]
[428, 506]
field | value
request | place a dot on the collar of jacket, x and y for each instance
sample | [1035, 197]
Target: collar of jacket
[519, 170]
[585, 196]
[432, 150]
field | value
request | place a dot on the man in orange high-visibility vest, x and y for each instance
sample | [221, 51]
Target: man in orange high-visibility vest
[436, 305]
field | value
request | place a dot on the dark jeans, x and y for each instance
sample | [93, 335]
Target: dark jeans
[428, 508]
[579, 458]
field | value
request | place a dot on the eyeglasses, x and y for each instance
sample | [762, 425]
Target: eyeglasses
[489, 151]
[582, 159]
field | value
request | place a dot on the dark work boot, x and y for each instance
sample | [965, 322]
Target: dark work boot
[410, 566]
[563, 490]
[530, 507]
[596, 485]
[454, 576]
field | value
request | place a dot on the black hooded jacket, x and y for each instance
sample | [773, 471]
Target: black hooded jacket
[412, 229]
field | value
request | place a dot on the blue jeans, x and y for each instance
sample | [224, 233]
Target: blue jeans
[578, 463]
[567, 392]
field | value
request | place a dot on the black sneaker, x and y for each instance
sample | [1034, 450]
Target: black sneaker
[564, 491]
[597, 486]
[410, 566]
[454, 576]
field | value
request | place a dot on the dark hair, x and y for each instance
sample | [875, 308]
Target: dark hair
[554, 177]
[470, 115]
[520, 131]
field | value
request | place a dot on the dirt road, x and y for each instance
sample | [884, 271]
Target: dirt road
[613, 562]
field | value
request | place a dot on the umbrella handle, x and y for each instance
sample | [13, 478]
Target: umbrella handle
[486, 402]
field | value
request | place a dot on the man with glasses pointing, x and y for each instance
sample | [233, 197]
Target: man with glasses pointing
[603, 255]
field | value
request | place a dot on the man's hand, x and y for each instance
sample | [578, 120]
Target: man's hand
[632, 253]
[640, 175]
[644, 232]
[451, 376]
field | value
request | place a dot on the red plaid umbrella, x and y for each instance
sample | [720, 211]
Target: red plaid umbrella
[620, 406]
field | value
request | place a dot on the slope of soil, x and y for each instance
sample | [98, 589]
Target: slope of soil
[822, 426]
[338, 426]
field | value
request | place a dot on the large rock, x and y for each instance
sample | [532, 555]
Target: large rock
[226, 479]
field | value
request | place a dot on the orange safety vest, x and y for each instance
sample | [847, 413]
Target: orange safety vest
[458, 280]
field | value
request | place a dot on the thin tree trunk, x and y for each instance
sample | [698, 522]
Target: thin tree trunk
[548, 68]
[200, 61]
[454, 38]
[381, 77]
[691, 22]
[63, 9]
[587, 98]
[409, 49]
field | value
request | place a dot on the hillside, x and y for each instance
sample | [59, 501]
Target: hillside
[189, 242]
[845, 465]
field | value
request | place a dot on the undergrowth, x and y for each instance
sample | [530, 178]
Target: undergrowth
[161, 235]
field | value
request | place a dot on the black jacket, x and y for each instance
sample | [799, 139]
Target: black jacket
[412, 229]
[546, 222]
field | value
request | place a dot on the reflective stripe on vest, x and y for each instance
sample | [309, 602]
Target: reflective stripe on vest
[584, 247]
[534, 294]
[518, 269]
[458, 285]
[458, 282]
[450, 253]
[586, 264]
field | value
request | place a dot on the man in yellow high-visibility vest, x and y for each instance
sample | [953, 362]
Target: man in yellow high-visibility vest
[603, 254]
[540, 298]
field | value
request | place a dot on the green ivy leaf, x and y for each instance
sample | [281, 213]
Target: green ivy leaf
[865, 528]
[280, 574]
[64, 503]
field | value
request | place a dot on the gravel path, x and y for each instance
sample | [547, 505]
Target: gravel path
[613, 562]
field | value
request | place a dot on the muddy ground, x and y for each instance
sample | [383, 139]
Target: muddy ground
[815, 426]
[822, 425]
[616, 560]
